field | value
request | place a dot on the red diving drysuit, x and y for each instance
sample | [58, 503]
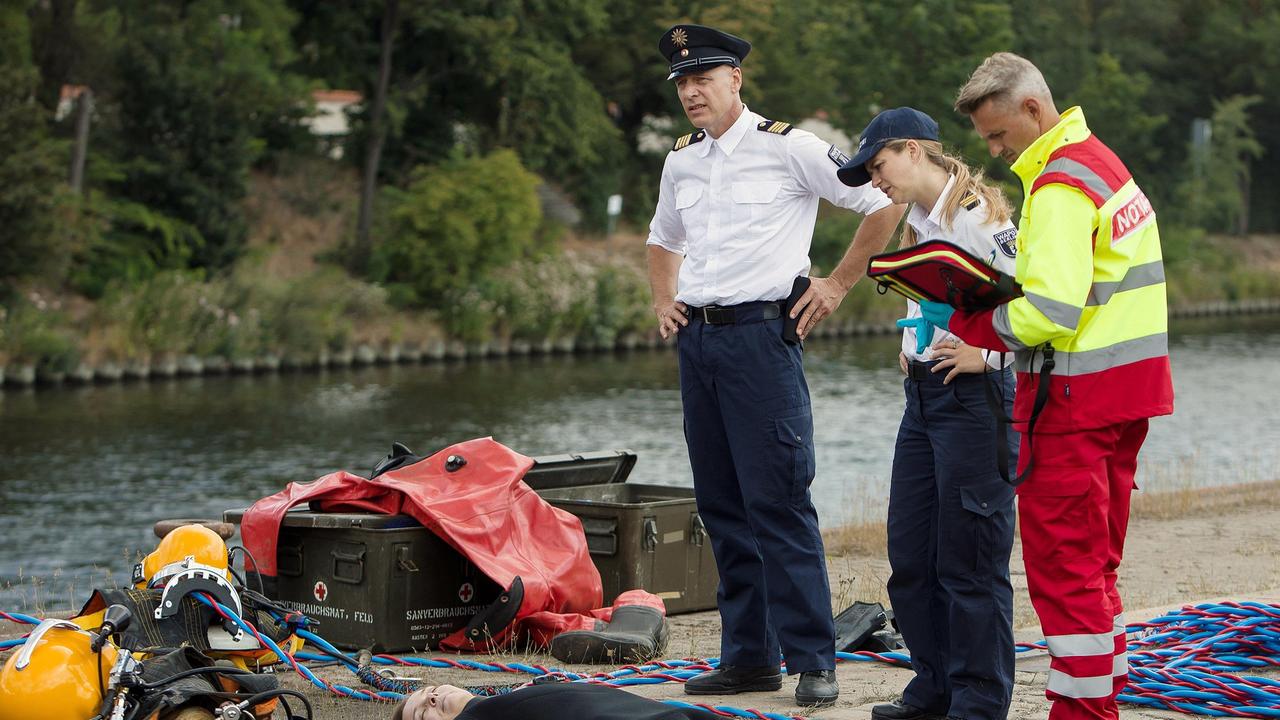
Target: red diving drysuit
[486, 512]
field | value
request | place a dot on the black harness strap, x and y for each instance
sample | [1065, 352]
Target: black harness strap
[1003, 421]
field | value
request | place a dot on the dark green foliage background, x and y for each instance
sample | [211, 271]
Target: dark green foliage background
[191, 95]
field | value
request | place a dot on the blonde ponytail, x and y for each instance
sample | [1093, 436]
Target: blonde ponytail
[968, 182]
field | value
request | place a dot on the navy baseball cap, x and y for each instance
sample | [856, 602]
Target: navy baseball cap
[694, 48]
[902, 123]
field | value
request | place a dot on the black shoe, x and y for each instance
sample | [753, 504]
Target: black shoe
[900, 710]
[733, 679]
[817, 688]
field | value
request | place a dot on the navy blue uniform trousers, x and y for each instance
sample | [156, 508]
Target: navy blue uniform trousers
[749, 426]
[950, 535]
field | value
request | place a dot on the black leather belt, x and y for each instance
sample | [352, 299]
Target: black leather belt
[734, 314]
[920, 371]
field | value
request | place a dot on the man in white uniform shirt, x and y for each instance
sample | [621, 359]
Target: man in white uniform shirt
[735, 217]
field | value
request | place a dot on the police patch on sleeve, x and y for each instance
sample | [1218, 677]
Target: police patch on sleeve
[837, 156]
[1007, 241]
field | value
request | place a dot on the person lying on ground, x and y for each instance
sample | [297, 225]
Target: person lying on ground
[540, 702]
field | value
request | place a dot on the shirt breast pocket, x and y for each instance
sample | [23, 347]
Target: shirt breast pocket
[755, 216]
[690, 208]
[688, 196]
[755, 193]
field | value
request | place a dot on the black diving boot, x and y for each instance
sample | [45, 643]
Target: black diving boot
[636, 634]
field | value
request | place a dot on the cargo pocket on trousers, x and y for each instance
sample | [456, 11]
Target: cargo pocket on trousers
[990, 530]
[1059, 519]
[796, 435]
[986, 499]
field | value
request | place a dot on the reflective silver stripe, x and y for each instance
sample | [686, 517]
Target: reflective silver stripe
[1090, 361]
[1080, 687]
[1059, 313]
[700, 61]
[1081, 645]
[1139, 276]
[1000, 323]
[1120, 666]
[1067, 166]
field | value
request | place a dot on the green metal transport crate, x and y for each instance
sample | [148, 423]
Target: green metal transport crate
[379, 581]
[384, 581]
[639, 536]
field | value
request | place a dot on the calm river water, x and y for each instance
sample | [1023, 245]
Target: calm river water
[85, 471]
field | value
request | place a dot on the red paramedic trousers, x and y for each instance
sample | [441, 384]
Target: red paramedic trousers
[1073, 512]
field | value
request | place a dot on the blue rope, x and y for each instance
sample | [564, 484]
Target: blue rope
[27, 619]
[1185, 660]
[890, 658]
[345, 691]
[302, 670]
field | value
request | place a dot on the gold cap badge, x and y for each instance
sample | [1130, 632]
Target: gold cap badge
[679, 37]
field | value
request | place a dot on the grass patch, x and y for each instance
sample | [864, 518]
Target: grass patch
[863, 538]
[1173, 504]
[869, 537]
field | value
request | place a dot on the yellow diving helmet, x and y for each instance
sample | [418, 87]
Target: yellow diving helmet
[186, 547]
[55, 675]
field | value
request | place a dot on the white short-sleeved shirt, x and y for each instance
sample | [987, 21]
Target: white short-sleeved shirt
[741, 209]
[970, 229]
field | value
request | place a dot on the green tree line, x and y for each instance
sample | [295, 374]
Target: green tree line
[470, 105]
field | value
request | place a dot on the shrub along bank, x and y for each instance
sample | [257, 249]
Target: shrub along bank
[178, 322]
[465, 264]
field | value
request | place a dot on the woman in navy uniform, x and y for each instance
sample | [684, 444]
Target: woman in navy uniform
[730, 235]
[950, 519]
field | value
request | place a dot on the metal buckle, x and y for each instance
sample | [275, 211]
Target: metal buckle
[918, 370]
[716, 315]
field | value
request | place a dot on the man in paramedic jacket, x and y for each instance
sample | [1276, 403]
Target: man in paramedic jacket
[1094, 308]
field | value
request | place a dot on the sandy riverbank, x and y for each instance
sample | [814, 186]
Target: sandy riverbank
[1183, 548]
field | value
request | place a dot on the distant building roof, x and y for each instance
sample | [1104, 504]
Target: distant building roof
[329, 119]
[337, 96]
[71, 92]
[67, 98]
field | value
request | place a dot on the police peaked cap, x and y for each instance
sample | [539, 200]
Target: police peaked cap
[694, 48]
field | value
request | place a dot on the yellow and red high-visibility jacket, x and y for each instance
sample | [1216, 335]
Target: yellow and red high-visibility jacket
[1092, 275]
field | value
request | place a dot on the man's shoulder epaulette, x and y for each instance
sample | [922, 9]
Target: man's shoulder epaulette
[970, 202]
[777, 127]
[686, 140]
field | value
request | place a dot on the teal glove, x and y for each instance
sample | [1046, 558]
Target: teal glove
[924, 331]
[937, 313]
